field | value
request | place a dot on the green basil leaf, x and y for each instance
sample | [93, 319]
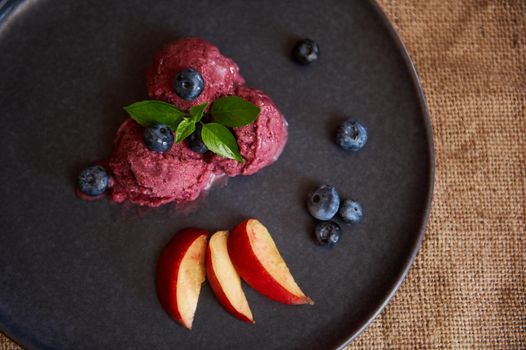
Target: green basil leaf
[234, 111]
[220, 140]
[198, 111]
[150, 112]
[184, 129]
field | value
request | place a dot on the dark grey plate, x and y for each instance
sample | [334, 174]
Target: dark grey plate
[80, 275]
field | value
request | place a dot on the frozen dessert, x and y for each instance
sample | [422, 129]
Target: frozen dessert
[220, 73]
[151, 178]
[191, 74]
[261, 142]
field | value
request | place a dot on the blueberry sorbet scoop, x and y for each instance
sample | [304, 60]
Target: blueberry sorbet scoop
[154, 173]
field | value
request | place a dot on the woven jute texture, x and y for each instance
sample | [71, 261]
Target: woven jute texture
[467, 288]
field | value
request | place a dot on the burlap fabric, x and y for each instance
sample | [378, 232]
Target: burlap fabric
[467, 289]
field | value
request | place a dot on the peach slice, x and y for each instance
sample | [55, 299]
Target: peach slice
[224, 279]
[257, 260]
[180, 273]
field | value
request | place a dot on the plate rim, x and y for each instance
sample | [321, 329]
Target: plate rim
[424, 112]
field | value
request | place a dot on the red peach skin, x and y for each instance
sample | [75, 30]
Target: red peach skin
[223, 278]
[180, 273]
[257, 260]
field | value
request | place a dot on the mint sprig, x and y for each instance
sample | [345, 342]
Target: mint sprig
[197, 112]
[234, 111]
[151, 112]
[228, 111]
[184, 129]
[218, 139]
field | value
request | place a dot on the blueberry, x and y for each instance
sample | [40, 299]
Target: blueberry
[158, 138]
[188, 84]
[195, 142]
[328, 233]
[351, 135]
[323, 203]
[93, 180]
[351, 211]
[306, 51]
